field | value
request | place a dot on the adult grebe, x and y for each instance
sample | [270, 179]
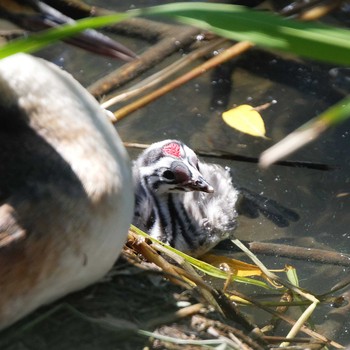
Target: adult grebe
[66, 193]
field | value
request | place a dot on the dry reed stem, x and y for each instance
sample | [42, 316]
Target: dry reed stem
[226, 55]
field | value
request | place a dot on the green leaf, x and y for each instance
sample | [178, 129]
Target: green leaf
[306, 133]
[292, 275]
[337, 113]
[201, 265]
[39, 40]
[308, 39]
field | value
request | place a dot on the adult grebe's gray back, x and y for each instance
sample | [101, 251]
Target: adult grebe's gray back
[66, 193]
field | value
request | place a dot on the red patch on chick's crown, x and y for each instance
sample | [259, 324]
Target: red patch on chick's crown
[172, 149]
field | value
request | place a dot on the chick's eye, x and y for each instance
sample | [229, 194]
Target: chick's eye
[169, 175]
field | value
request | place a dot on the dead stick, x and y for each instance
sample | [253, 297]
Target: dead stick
[179, 314]
[160, 76]
[239, 157]
[315, 335]
[228, 54]
[154, 55]
[148, 252]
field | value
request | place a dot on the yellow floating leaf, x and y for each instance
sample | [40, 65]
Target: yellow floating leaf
[245, 119]
[238, 268]
[233, 266]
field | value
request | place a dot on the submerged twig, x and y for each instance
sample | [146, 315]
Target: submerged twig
[226, 55]
[181, 313]
[217, 299]
[314, 301]
[179, 341]
[300, 253]
[151, 255]
[160, 76]
[175, 40]
[304, 329]
[224, 305]
[208, 325]
[240, 158]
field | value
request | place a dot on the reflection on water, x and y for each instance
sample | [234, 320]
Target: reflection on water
[192, 113]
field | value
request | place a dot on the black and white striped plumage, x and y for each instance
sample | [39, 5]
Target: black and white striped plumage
[181, 201]
[193, 205]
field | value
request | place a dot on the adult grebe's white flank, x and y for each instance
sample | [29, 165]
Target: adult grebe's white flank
[66, 193]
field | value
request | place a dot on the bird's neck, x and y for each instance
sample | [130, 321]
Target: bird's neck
[177, 226]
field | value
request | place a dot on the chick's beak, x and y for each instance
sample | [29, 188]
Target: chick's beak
[200, 185]
[189, 178]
